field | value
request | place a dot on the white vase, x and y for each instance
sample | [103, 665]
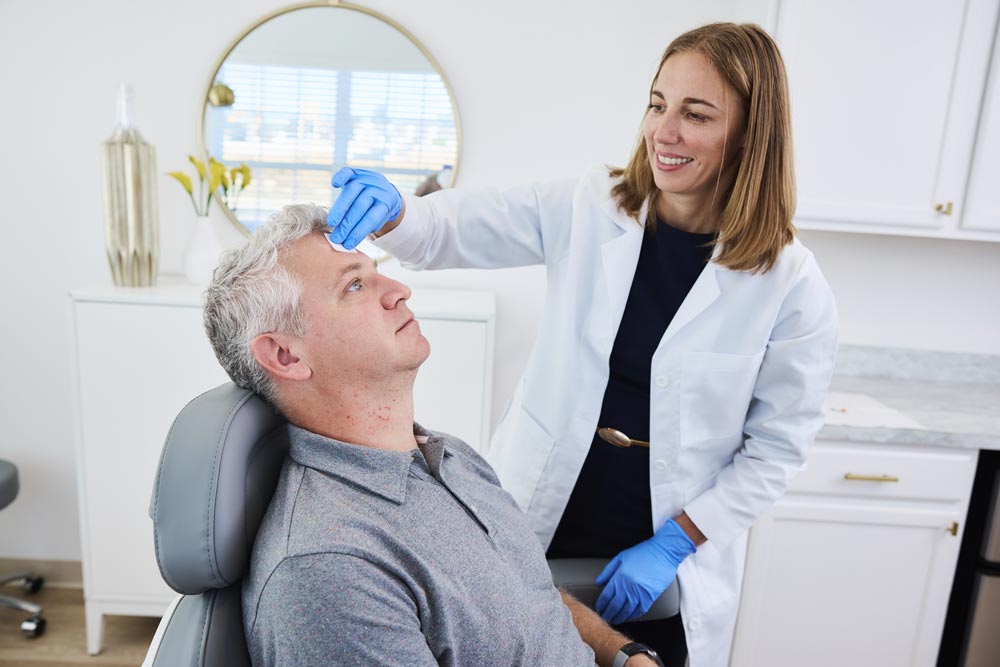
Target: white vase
[202, 254]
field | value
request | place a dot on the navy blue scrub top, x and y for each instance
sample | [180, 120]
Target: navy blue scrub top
[610, 507]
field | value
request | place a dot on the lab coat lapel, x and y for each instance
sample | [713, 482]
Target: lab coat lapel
[619, 257]
[703, 294]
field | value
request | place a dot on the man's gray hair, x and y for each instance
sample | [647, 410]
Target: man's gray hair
[251, 293]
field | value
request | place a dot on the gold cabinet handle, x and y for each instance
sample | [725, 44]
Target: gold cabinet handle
[944, 209]
[870, 478]
[953, 529]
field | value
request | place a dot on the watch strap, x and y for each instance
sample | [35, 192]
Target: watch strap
[633, 648]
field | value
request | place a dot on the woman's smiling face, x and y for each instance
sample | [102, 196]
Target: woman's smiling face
[693, 128]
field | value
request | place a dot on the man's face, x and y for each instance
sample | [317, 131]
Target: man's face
[357, 323]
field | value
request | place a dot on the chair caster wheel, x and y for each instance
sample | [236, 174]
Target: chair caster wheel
[33, 627]
[33, 584]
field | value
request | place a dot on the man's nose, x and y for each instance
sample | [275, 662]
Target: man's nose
[393, 292]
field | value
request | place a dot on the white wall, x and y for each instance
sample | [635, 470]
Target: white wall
[543, 92]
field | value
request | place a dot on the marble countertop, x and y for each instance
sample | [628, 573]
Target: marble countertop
[917, 398]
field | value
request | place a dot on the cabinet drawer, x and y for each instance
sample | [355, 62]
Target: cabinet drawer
[886, 471]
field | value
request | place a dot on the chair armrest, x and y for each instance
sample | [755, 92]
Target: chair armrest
[154, 645]
[576, 576]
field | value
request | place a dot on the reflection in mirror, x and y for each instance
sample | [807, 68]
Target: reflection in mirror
[316, 88]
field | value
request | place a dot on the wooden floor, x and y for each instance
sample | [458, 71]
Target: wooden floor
[64, 643]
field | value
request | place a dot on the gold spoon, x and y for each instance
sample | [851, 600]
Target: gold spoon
[619, 439]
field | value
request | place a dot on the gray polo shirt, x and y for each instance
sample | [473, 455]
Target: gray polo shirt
[375, 557]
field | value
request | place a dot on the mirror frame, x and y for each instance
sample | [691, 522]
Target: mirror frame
[339, 5]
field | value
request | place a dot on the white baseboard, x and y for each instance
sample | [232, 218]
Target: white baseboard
[57, 573]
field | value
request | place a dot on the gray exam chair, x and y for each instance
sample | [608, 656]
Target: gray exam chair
[218, 470]
[35, 624]
[217, 473]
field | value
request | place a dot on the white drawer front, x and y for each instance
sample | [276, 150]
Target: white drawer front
[887, 471]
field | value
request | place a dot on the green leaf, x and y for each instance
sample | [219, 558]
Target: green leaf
[183, 179]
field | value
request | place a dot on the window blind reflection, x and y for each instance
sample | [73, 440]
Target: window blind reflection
[295, 125]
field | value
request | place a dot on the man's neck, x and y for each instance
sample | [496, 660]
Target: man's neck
[379, 417]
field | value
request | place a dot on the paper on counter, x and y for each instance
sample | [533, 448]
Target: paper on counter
[863, 411]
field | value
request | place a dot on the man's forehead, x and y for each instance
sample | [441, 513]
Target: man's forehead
[315, 248]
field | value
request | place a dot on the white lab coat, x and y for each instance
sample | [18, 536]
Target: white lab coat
[737, 382]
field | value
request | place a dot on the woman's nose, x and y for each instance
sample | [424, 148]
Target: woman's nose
[667, 131]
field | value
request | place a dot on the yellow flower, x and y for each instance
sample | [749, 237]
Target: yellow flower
[199, 166]
[218, 178]
[183, 179]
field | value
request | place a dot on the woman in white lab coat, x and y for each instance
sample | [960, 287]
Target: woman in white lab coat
[681, 312]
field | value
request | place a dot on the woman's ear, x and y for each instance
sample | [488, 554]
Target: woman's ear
[275, 352]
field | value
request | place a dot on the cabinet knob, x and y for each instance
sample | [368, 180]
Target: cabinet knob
[944, 209]
[870, 478]
[953, 529]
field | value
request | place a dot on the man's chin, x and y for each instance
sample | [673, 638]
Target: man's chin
[425, 352]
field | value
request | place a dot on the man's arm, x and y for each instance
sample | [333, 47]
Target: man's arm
[336, 609]
[601, 637]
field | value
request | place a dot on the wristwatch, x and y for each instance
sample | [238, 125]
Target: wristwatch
[634, 648]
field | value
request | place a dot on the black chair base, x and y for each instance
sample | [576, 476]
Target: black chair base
[33, 626]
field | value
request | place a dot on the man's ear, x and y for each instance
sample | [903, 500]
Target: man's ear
[276, 354]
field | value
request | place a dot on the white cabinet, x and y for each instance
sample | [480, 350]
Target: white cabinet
[983, 210]
[141, 354]
[854, 565]
[886, 97]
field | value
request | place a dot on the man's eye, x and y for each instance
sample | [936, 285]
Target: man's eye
[354, 286]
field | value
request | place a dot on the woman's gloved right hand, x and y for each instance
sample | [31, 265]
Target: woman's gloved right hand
[366, 202]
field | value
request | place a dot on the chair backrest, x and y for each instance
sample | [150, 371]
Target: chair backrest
[8, 483]
[217, 472]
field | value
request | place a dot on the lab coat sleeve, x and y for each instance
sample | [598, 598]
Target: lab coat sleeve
[785, 412]
[487, 229]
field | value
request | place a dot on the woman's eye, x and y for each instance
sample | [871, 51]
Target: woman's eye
[657, 108]
[355, 285]
[697, 117]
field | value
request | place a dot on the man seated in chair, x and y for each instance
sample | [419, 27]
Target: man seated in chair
[385, 543]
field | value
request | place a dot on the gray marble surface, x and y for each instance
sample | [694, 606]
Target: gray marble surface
[949, 400]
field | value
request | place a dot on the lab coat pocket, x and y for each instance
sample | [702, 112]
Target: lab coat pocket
[699, 488]
[525, 456]
[716, 389]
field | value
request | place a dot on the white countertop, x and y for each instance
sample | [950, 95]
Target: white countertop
[916, 409]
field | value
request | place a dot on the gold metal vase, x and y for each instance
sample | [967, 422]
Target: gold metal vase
[131, 219]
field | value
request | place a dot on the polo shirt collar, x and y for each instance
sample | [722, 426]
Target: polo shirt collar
[381, 471]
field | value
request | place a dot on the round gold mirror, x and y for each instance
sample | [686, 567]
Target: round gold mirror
[317, 86]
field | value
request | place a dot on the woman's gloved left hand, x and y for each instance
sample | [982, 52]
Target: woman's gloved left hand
[366, 202]
[636, 577]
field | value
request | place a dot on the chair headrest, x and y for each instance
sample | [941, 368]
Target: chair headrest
[217, 473]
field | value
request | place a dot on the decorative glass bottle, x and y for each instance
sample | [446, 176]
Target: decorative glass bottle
[131, 224]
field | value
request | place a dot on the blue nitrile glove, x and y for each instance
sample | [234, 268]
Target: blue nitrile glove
[636, 577]
[366, 202]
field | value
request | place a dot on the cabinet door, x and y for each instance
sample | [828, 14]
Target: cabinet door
[451, 390]
[138, 365]
[840, 582]
[983, 209]
[885, 98]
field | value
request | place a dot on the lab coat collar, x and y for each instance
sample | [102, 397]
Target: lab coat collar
[623, 251]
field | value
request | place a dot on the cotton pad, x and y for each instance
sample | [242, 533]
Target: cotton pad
[338, 247]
